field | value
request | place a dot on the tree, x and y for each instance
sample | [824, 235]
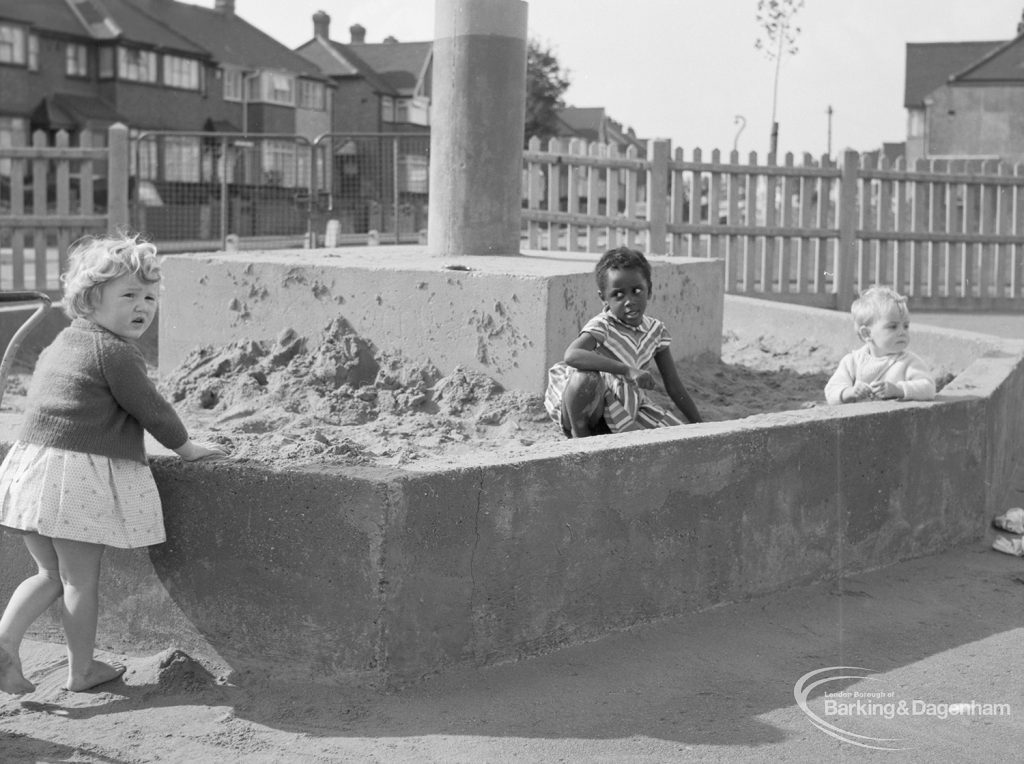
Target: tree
[546, 83]
[778, 37]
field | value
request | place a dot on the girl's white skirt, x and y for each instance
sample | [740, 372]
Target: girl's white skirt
[81, 497]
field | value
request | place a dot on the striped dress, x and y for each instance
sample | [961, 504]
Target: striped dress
[626, 405]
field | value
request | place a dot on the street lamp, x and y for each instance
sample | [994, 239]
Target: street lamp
[740, 120]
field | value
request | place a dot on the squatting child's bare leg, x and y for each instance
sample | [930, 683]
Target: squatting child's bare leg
[583, 402]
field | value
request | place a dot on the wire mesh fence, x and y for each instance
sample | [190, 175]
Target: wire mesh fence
[196, 191]
[372, 182]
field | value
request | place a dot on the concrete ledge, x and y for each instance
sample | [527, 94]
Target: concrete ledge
[382, 576]
[508, 317]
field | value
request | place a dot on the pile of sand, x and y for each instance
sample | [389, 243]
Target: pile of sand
[334, 399]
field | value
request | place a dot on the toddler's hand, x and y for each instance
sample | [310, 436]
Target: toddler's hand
[885, 390]
[194, 451]
[858, 392]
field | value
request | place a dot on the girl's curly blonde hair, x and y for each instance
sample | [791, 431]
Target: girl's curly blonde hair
[95, 260]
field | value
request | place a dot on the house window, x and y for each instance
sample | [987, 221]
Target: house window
[12, 44]
[33, 52]
[419, 111]
[233, 84]
[181, 72]
[76, 60]
[413, 111]
[387, 109]
[278, 88]
[915, 123]
[312, 95]
[143, 159]
[252, 87]
[136, 65]
[181, 158]
[413, 173]
[106, 63]
[13, 132]
[282, 165]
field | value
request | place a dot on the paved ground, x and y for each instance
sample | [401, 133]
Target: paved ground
[937, 640]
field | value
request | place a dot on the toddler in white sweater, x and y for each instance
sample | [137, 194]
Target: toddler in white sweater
[882, 368]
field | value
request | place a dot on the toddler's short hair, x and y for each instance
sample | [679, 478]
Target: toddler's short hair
[621, 258]
[95, 260]
[874, 302]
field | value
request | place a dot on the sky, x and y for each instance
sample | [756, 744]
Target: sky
[688, 70]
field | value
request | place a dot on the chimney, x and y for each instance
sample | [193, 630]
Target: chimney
[358, 32]
[227, 7]
[321, 25]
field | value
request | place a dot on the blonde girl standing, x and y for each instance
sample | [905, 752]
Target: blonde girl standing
[77, 479]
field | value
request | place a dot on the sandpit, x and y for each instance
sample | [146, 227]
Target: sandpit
[297, 401]
[331, 400]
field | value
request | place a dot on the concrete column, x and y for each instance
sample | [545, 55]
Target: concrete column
[476, 134]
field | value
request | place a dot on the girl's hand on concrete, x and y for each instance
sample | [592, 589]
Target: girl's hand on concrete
[194, 451]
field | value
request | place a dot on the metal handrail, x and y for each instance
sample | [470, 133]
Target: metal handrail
[12, 301]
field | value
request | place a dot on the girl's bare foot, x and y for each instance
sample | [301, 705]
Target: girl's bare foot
[11, 678]
[98, 673]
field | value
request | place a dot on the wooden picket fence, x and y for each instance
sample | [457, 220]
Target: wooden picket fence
[948, 234]
[51, 195]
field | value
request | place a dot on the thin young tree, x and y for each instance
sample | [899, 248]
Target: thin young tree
[778, 37]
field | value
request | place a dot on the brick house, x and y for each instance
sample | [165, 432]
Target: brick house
[81, 65]
[965, 99]
[594, 124]
[163, 65]
[379, 88]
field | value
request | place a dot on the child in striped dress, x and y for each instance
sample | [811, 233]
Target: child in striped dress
[77, 480]
[599, 385]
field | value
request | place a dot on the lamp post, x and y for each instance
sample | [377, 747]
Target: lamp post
[828, 151]
[740, 120]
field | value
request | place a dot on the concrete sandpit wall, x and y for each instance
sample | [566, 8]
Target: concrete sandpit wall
[379, 576]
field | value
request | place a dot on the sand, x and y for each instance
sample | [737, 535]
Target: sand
[330, 399]
[296, 401]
